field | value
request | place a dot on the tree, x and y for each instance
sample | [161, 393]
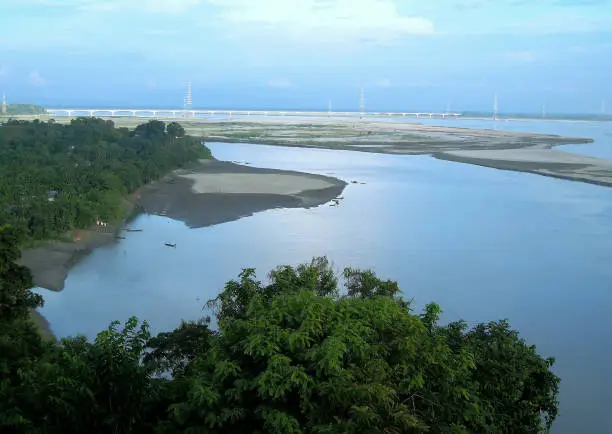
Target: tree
[87, 167]
[174, 129]
[20, 343]
[97, 387]
[298, 354]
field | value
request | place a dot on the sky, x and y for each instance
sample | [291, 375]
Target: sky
[302, 54]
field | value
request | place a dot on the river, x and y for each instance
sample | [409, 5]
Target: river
[485, 244]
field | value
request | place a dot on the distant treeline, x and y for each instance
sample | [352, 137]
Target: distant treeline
[55, 177]
[24, 109]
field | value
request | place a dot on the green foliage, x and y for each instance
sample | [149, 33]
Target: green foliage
[54, 177]
[93, 387]
[20, 343]
[295, 355]
[24, 109]
[174, 129]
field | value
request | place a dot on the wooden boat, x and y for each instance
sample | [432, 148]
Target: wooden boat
[132, 230]
[170, 245]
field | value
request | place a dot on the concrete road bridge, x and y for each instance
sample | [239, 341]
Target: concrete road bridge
[169, 113]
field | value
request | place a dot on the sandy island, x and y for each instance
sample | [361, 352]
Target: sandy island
[210, 193]
[517, 151]
[547, 162]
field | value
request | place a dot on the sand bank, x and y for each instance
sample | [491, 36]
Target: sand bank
[518, 151]
[255, 183]
[547, 162]
[217, 192]
[212, 192]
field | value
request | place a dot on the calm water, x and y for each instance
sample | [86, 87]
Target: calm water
[485, 244]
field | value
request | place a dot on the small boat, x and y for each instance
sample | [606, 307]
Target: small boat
[132, 230]
[170, 245]
[120, 238]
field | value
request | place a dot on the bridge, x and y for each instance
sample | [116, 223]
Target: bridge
[166, 113]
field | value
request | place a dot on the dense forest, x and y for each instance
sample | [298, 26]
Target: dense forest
[24, 109]
[299, 354]
[56, 177]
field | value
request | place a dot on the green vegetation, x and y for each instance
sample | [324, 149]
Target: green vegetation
[299, 354]
[55, 177]
[295, 355]
[24, 109]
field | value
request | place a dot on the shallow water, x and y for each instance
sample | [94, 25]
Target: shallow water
[483, 243]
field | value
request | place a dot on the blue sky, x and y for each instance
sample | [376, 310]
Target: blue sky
[407, 54]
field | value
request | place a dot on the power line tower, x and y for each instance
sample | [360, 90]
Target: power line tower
[4, 108]
[329, 111]
[603, 107]
[543, 110]
[495, 107]
[362, 103]
[187, 103]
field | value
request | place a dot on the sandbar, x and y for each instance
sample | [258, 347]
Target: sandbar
[208, 193]
[216, 192]
[547, 162]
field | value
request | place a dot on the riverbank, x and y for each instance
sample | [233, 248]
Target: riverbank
[546, 162]
[208, 193]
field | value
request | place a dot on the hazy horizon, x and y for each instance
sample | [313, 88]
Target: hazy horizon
[300, 54]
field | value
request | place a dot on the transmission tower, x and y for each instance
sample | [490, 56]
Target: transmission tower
[603, 107]
[495, 107]
[362, 103]
[4, 110]
[330, 108]
[543, 110]
[187, 103]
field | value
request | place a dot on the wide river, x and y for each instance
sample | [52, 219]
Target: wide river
[485, 244]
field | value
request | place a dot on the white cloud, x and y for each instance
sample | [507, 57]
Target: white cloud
[36, 79]
[282, 83]
[323, 20]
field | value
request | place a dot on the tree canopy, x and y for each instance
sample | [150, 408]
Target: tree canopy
[298, 354]
[24, 109]
[56, 177]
